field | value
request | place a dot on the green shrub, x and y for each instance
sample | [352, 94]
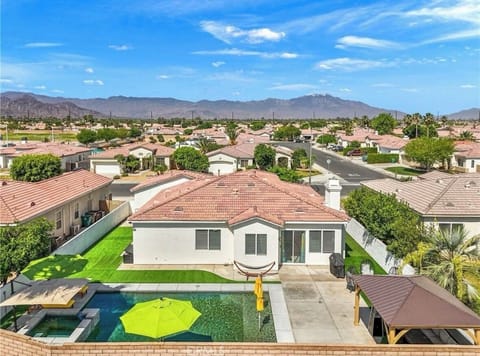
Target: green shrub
[116, 177]
[382, 158]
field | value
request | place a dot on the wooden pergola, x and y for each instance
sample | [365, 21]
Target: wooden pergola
[414, 302]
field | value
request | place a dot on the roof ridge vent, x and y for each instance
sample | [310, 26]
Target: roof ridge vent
[221, 184]
[178, 209]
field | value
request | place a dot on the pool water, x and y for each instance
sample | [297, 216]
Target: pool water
[55, 326]
[228, 317]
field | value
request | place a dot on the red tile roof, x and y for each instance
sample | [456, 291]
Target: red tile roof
[157, 149]
[243, 150]
[21, 201]
[467, 149]
[238, 197]
[56, 149]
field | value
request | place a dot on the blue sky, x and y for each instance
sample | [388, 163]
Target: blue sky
[413, 56]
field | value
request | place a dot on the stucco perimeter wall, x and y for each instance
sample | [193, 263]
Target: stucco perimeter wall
[12, 344]
[374, 247]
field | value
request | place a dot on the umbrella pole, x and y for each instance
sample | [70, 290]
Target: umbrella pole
[259, 322]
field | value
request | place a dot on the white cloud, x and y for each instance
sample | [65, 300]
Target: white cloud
[89, 70]
[364, 42]
[122, 47]
[162, 76]
[6, 81]
[236, 76]
[293, 87]
[345, 90]
[42, 44]
[468, 86]
[41, 87]
[93, 82]
[463, 10]
[474, 33]
[229, 33]
[241, 52]
[57, 91]
[349, 64]
[218, 64]
[382, 85]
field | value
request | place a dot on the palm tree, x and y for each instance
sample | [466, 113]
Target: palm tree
[467, 136]
[453, 259]
[203, 145]
[416, 120]
[232, 134]
[428, 120]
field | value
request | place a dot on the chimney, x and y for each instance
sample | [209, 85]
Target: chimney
[332, 193]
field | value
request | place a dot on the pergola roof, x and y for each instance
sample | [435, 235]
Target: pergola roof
[51, 291]
[415, 302]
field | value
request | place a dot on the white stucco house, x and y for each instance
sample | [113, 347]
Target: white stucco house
[150, 154]
[230, 159]
[441, 199]
[248, 216]
[466, 157]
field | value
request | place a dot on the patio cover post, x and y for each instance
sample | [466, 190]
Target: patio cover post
[356, 313]
[477, 337]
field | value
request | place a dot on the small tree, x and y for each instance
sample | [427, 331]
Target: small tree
[285, 174]
[326, 139]
[264, 156]
[232, 133]
[429, 150]
[34, 168]
[298, 156]
[288, 132]
[86, 136]
[23, 243]
[191, 159]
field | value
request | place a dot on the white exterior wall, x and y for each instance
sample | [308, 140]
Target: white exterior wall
[105, 167]
[163, 243]
[141, 152]
[257, 227]
[222, 163]
[471, 225]
[141, 197]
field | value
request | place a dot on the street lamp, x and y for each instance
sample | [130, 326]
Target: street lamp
[328, 164]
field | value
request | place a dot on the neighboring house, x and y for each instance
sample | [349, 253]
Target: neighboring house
[251, 216]
[466, 157]
[144, 191]
[387, 143]
[441, 199]
[62, 200]
[230, 159]
[71, 156]
[150, 155]
[363, 136]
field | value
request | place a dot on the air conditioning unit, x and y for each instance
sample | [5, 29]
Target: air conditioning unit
[75, 229]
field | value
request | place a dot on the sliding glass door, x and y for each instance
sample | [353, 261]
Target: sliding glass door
[292, 246]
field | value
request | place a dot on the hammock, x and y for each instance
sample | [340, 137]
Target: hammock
[244, 269]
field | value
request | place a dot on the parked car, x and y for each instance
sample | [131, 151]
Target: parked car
[355, 152]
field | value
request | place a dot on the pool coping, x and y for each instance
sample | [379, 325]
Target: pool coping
[281, 319]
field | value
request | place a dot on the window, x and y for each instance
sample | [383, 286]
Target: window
[159, 161]
[207, 240]
[315, 241]
[76, 212]
[322, 241]
[328, 241]
[244, 163]
[448, 228]
[256, 244]
[58, 220]
[472, 164]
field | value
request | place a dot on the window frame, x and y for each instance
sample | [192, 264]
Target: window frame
[322, 237]
[58, 220]
[209, 244]
[257, 238]
[76, 210]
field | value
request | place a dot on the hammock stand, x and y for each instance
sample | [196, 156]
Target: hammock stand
[253, 271]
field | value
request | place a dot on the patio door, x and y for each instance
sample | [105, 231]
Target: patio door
[292, 246]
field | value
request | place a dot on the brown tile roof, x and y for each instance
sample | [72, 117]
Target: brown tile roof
[21, 201]
[467, 149]
[243, 150]
[447, 195]
[56, 149]
[415, 302]
[167, 177]
[229, 198]
[390, 141]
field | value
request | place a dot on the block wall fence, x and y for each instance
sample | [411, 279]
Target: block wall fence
[12, 344]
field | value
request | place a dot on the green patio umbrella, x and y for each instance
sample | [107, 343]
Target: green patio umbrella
[160, 317]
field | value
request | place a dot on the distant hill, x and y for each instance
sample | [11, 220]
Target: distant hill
[323, 106]
[470, 114]
[26, 105]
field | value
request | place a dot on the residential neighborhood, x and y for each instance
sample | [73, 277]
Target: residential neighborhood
[257, 207]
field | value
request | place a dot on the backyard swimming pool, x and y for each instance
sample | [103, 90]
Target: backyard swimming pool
[55, 326]
[228, 317]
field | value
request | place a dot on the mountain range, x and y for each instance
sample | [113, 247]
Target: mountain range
[20, 104]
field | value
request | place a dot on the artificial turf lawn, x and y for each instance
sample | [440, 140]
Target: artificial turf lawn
[101, 261]
[355, 255]
[405, 171]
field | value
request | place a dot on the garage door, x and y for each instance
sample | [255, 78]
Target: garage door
[107, 169]
[221, 167]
